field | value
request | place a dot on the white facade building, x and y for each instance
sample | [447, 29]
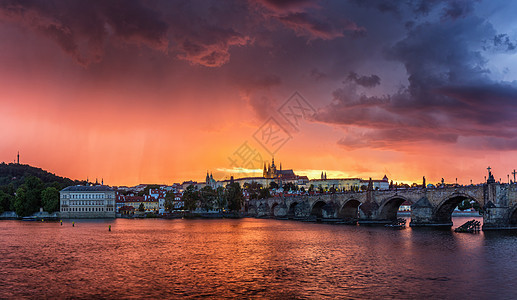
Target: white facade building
[97, 201]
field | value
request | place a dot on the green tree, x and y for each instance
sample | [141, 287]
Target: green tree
[290, 187]
[5, 201]
[141, 207]
[221, 202]
[253, 189]
[190, 198]
[20, 200]
[273, 185]
[465, 204]
[50, 199]
[264, 194]
[207, 198]
[234, 196]
[169, 201]
[34, 187]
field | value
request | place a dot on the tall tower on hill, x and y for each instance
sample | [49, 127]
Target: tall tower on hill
[18, 158]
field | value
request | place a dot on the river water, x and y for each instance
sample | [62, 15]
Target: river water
[251, 258]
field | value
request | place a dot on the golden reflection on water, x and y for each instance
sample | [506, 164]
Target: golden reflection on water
[244, 258]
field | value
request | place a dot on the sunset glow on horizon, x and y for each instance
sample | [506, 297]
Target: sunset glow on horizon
[164, 91]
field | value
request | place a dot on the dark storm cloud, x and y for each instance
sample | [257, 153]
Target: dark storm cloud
[391, 138]
[502, 42]
[457, 9]
[447, 94]
[71, 23]
[365, 81]
[83, 28]
[286, 4]
[450, 96]
[304, 24]
[452, 9]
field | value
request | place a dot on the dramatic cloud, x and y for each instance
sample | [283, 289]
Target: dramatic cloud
[365, 81]
[304, 24]
[81, 28]
[178, 86]
[283, 5]
[450, 94]
[502, 42]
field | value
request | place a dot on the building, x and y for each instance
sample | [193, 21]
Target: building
[339, 184]
[90, 201]
[149, 203]
[382, 184]
[348, 184]
[272, 172]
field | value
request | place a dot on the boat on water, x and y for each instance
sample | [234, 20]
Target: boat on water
[400, 223]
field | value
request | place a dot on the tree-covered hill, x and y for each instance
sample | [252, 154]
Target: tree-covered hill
[25, 189]
[15, 174]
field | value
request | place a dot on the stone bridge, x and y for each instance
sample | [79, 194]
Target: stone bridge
[429, 206]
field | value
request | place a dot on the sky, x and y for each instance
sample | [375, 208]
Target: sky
[163, 91]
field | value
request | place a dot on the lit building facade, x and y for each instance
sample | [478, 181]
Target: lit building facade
[89, 202]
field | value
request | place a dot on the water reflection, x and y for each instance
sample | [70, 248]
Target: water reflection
[250, 258]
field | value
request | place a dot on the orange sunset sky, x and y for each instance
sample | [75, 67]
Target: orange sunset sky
[162, 91]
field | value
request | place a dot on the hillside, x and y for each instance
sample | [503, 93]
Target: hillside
[16, 174]
[24, 189]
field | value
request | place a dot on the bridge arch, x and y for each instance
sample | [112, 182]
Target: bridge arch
[252, 210]
[389, 207]
[317, 209]
[272, 210]
[263, 209]
[291, 211]
[321, 209]
[443, 212]
[349, 212]
[512, 217]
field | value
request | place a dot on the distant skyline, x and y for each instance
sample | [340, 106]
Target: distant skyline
[162, 91]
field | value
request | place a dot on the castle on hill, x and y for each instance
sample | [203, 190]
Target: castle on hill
[271, 172]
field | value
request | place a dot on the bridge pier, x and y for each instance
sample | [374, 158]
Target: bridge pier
[496, 218]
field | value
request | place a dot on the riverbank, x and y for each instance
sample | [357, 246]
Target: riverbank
[11, 215]
[454, 214]
[183, 215]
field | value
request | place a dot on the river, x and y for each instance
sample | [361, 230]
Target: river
[251, 258]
